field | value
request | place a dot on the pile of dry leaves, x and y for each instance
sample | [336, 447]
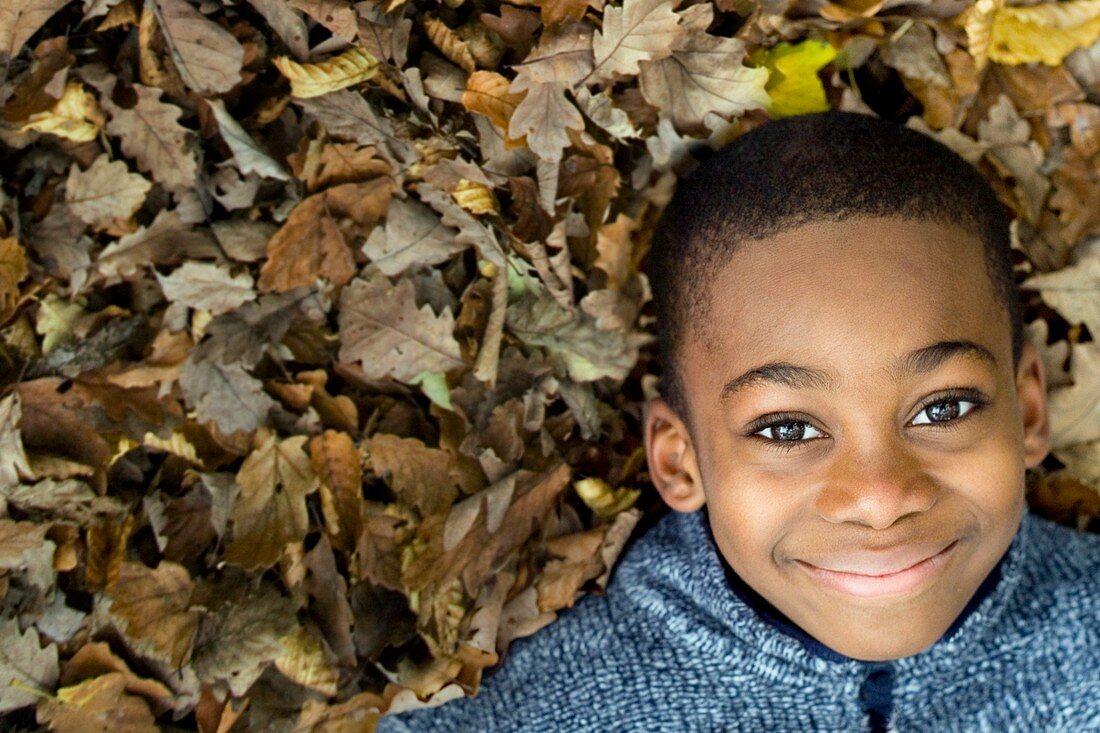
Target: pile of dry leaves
[324, 341]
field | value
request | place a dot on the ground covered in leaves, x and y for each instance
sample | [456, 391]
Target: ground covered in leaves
[323, 332]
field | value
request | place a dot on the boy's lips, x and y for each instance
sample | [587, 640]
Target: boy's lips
[916, 565]
[879, 562]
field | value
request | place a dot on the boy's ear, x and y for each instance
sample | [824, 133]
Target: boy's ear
[672, 464]
[1031, 395]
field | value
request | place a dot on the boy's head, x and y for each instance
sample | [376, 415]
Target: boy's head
[844, 376]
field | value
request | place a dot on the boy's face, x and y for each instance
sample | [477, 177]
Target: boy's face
[891, 454]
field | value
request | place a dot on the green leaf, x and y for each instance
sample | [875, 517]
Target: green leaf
[793, 84]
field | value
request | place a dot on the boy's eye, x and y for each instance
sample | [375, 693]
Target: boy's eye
[789, 431]
[784, 431]
[943, 411]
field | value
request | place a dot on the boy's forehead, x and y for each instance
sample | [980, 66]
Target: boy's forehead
[861, 279]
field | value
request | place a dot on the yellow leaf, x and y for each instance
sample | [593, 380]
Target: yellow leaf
[793, 84]
[598, 495]
[487, 93]
[75, 116]
[449, 42]
[1047, 32]
[176, 444]
[56, 318]
[475, 197]
[978, 23]
[312, 80]
[305, 662]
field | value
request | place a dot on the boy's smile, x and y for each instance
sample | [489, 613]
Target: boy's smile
[854, 412]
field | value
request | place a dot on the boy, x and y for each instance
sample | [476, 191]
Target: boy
[848, 410]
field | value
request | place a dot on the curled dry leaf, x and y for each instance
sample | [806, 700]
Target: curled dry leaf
[98, 704]
[339, 72]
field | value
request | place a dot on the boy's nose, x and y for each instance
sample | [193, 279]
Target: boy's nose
[876, 486]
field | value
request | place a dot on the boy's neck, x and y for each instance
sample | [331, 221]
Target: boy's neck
[779, 620]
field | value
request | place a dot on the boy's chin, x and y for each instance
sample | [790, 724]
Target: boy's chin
[887, 648]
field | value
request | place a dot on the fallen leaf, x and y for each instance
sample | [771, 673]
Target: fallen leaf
[418, 475]
[27, 669]
[270, 510]
[1073, 291]
[206, 55]
[339, 72]
[332, 14]
[1075, 410]
[207, 286]
[226, 395]
[239, 637]
[449, 42]
[702, 77]
[154, 608]
[1046, 32]
[13, 463]
[96, 659]
[166, 241]
[249, 157]
[639, 30]
[287, 24]
[384, 332]
[585, 352]
[150, 133]
[311, 243]
[100, 705]
[544, 117]
[413, 235]
[21, 20]
[793, 85]
[306, 662]
[106, 194]
[76, 116]
[13, 270]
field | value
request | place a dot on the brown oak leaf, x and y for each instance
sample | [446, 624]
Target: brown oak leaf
[154, 608]
[206, 55]
[106, 194]
[383, 331]
[270, 511]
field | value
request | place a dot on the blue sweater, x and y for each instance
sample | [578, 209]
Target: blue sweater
[679, 643]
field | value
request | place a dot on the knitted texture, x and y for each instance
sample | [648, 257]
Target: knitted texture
[670, 647]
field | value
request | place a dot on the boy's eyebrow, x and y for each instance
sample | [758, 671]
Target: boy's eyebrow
[918, 361]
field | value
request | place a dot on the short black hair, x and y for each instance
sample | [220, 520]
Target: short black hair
[827, 166]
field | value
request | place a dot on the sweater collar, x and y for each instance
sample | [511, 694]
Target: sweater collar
[730, 602]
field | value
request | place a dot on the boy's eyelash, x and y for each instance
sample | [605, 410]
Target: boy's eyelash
[956, 395]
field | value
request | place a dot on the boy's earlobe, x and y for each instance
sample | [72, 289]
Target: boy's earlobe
[671, 457]
[1031, 395]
